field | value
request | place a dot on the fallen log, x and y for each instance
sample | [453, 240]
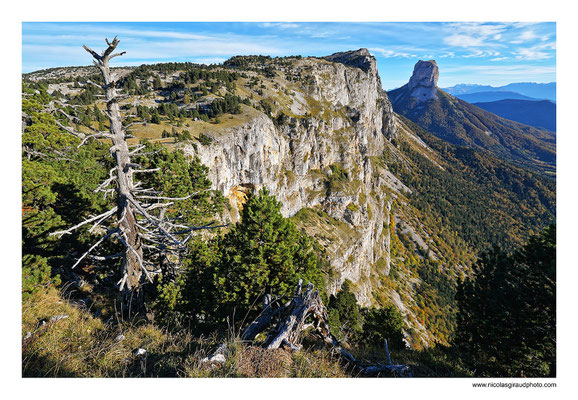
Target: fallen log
[308, 306]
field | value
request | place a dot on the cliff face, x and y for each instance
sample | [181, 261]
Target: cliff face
[424, 80]
[320, 161]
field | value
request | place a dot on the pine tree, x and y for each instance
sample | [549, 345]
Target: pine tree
[263, 254]
[347, 316]
[507, 317]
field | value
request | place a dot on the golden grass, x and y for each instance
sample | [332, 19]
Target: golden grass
[153, 132]
[83, 346]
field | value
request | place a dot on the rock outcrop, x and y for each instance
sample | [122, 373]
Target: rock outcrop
[464, 124]
[424, 80]
[321, 163]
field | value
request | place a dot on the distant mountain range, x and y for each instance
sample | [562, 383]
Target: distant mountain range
[462, 123]
[540, 114]
[541, 91]
[493, 96]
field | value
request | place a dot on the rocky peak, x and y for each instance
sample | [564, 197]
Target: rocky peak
[361, 58]
[424, 80]
[425, 73]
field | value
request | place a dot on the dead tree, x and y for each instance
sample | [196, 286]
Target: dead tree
[138, 221]
[306, 311]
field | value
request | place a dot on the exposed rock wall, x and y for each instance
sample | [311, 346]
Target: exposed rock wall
[345, 123]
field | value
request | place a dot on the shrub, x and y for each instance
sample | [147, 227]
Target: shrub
[36, 274]
[205, 139]
[383, 323]
[344, 315]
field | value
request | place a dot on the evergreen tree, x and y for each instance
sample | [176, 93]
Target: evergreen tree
[157, 84]
[155, 118]
[345, 315]
[263, 254]
[383, 323]
[507, 317]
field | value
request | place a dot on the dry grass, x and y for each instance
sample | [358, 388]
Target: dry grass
[256, 362]
[153, 132]
[83, 346]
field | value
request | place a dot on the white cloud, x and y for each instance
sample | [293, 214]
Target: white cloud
[526, 36]
[478, 28]
[539, 52]
[464, 41]
[473, 34]
[388, 53]
[482, 53]
[282, 25]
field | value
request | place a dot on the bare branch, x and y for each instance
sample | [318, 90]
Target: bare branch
[159, 205]
[94, 53]
[92, 83]
[117, 54]
[70, 130]
[135, 123]
[155, 221]
[146, 170]
[46, 156]
[138, 148]
[104, 184]
[94, 246]
[94, 136]
[111, 46]
[69, 230]
[101, 221]
[104, 258]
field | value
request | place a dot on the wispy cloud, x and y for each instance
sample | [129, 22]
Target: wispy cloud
[525, 36]
[482, 53]
[539, 52]
[387, 53]
[473, 34]
[282, 25]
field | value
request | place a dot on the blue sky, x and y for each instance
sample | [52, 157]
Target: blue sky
[467, 52]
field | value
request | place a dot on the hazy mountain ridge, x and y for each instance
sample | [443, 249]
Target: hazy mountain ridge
[540, 114]
[492, 96]
[545, 91]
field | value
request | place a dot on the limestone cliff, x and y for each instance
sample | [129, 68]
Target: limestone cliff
[320, 161]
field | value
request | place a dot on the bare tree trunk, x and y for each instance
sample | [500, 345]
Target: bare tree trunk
[147, 236]
[132, 255]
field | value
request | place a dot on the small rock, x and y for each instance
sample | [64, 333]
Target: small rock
[139, 352]
[218, 358]
[120, 338]
[215, 358]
